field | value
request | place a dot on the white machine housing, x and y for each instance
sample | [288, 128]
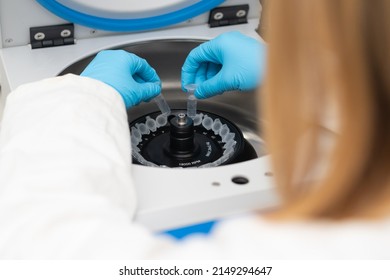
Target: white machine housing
[196, 195]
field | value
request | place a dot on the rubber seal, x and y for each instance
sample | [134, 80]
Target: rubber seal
[121, 25]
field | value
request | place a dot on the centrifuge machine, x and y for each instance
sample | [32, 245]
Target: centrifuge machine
[186, 170]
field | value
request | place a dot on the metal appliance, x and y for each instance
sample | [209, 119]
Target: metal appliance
[46, 38]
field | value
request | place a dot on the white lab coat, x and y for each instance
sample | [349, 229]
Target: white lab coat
[66, 191]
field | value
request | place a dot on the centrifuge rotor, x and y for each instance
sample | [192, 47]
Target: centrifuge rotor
[207, 140]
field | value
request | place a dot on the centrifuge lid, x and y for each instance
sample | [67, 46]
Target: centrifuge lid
[128, 15]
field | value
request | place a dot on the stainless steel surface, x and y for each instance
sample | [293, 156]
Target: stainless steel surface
[182, 119]
[167, 57]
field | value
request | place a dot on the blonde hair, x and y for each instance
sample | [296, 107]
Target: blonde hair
[324, 56]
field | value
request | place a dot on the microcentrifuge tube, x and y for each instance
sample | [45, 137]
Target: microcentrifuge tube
[162, 104]
[217, 125]
[191, 100]
[142, 128]
[229, 144]
[224, 131]
[135, 133]
[207, 122]
[151, 124]
[161, 120]
[198, 119]
[228, 137]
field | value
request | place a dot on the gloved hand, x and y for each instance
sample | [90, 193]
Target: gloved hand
[231, 61]
[129, 74]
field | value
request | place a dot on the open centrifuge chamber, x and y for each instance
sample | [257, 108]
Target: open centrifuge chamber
[238, 184]
[194, 191]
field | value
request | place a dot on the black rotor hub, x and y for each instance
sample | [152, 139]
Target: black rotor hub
[208, 140]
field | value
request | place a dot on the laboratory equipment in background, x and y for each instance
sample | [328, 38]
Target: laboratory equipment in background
[223, 169]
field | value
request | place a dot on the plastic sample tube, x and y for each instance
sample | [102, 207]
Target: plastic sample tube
[191, 100]
[161, 120]
[162, 104]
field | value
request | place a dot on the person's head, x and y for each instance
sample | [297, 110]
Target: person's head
[329, 60]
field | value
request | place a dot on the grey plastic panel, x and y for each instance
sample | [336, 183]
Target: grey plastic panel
[17, 16]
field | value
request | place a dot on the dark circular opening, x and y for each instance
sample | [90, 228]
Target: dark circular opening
[240, 180]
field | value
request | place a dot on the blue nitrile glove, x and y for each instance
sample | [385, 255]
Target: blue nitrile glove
[130, 75]
[231, 61]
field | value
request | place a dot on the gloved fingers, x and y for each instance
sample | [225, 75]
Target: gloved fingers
[204, 53]
[212, 70]
[138, 79]
[201, 74]
[91, 67]
[188, 78]
[142, 69]
[147, 91]
[214, 86]
[206, 71]
[150, 93]
[140, 92]
[196, 57]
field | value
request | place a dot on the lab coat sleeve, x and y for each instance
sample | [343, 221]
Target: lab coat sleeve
[65, 173]
[66, 190]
